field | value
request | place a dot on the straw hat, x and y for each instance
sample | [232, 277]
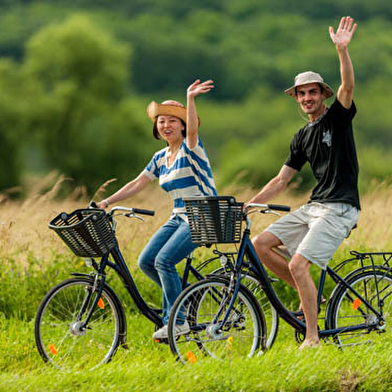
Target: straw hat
[155, 109]
[306, 78]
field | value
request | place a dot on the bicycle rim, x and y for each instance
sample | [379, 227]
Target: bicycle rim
[242, 334]
[270, 314]
[59, 339]
[348, 310]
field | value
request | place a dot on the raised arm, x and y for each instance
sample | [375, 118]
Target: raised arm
[126, 191]
[341, 39]
[275, 186]
[192, 123]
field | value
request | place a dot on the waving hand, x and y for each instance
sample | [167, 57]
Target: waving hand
[344, 32]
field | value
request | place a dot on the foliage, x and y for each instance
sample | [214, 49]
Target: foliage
[82, 72]
[16, 91]
[95, 66]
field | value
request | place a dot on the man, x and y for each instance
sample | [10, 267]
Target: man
[314, 232]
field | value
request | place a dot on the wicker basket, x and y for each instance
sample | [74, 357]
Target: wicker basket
[87, 232]
[214, 219]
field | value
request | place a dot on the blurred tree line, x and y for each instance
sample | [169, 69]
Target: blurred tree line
[76, 77]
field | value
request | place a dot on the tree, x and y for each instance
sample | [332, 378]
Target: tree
[88, 127]
[17, 91]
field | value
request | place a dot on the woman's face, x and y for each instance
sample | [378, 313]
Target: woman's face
[170, 128]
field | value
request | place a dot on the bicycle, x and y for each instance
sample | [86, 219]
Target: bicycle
[81, 321]
[226, 320]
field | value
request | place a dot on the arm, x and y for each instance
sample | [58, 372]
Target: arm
[341, 40]
[126, 191]
[192, 120]
[275, 186]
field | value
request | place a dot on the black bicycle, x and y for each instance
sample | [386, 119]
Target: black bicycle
[226, 319]
[81, 321]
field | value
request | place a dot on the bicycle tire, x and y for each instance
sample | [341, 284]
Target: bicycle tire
[57, 331]
[252, 283]
[346, 309]
[244, 331]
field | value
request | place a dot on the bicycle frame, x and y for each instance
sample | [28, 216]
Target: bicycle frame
[120, 267]
[247, 249]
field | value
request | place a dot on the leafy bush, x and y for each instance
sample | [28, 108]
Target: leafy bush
[89, 128]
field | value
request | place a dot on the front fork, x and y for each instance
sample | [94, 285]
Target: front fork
[97, 287]
[233, 288]
[78, 327]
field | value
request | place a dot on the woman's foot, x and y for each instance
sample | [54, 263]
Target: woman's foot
[181, 329]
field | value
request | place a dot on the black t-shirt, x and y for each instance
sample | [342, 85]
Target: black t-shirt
[328, 145]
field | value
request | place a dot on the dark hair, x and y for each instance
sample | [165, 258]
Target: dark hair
[156, 133]
[320, 85]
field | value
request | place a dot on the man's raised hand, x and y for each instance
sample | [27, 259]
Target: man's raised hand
[344, 32]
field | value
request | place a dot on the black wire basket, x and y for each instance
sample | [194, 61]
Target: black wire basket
[87, 232]
[214, 219]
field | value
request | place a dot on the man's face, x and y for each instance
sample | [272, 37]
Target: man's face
[310, 98]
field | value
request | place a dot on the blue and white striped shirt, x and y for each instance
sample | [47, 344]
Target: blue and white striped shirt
[189, 175]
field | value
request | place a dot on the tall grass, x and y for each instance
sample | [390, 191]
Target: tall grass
[33, 259]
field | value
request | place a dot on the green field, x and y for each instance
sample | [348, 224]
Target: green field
[34, 259]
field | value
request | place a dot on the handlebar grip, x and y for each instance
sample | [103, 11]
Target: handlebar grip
[278, 207]
[143, 212]
[93, 204]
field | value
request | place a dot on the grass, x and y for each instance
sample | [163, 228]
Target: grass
[34, 259]
[150, 367]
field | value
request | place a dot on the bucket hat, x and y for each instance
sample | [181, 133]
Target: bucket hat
[306, 78]
[155, 109]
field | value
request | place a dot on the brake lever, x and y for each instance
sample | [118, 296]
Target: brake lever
[132, 215]
[267, 211]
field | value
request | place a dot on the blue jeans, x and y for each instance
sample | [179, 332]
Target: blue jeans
[158, 260]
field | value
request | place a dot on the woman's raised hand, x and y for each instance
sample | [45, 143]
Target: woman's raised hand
[199, 87]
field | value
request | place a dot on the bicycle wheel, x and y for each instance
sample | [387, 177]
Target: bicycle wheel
[347, 310]
[204, 305]
[58, 334]
[270, 314]
[251, 282]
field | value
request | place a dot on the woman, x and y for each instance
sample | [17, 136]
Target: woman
[183, 170]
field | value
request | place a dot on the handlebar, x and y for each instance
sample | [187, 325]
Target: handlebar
[265, 207]
[143, 212]
[130, 211]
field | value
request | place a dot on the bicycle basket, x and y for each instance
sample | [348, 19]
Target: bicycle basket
[87, 232]
[214, 219]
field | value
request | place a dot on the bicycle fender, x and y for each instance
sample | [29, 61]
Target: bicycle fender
[81, 274]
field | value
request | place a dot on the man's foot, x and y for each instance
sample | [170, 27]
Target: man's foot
[181, 329]
[309, 344]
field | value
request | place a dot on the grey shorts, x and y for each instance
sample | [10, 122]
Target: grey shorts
[316, 230]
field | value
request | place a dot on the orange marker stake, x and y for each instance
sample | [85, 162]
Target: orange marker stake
[229, 342]
[191, 357]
